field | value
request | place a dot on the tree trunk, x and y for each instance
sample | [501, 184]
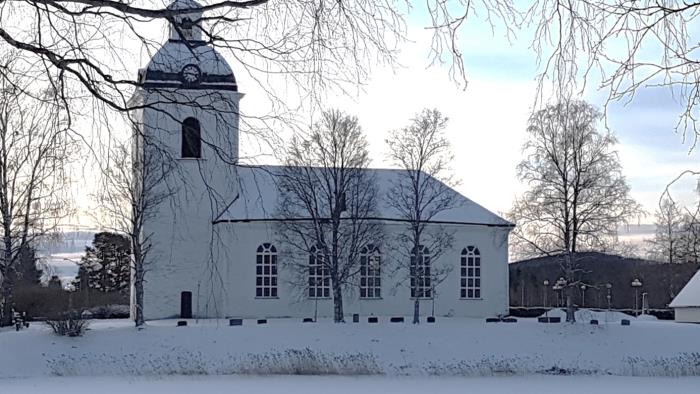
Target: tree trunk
[8, 284]
[138, 297]
[570, 315]
[338, 315]
[416, 311]
[570, 280]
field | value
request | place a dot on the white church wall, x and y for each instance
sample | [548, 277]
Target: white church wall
[238, 267]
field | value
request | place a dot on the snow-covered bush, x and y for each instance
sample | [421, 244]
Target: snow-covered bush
[69, 324]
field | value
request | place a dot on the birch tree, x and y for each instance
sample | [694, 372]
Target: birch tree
[577, 195]
[666, 243]
[419, 194]
[328, 202]
[35, 147]
[134, 185]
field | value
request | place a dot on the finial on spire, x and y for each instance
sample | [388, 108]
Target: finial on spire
[186, 26]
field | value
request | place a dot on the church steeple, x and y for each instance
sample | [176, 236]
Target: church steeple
[186, 26]
[186, 61]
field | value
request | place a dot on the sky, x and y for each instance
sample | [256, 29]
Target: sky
[488, 118]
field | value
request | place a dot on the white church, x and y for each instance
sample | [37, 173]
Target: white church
[215, 250]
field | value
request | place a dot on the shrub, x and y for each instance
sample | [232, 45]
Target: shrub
[70, 324]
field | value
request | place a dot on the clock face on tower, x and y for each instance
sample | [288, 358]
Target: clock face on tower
[191, 74]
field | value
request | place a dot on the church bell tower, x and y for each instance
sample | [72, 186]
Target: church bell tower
[187, 120]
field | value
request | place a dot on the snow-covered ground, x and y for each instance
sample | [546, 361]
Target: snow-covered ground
[352, 385]
[451, 347]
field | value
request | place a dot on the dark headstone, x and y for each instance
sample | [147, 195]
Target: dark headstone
[555, 319]
[492, 320]
[373, 319]
[431, 319]
[235, 322]
[396, 320]
[594, 322]
[262, 321]
[355, 317]
[307, 320]
[181, 323]
[510, 320]
[625, 322]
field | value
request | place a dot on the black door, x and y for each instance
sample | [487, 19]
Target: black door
[186, 305]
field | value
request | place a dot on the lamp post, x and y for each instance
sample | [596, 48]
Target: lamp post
[583, 296]
[546, 286]
[561, 283]
[636, 284]
[609, 297]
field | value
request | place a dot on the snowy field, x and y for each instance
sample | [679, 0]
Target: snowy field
[449, 348]
[352, 385]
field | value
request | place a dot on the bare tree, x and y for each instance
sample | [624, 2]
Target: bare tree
[90, 44]
[135, 184]
[328, 201]
[666, 242]
[577, 195]
[421, 192]
[35, 147]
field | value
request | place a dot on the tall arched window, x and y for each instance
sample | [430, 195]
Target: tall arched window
[421, 281]
[266, 271]
[370, 272]
[191, 139]
[470, 273]
[319, 277]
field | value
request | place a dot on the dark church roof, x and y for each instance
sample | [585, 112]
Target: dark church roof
[166, 66]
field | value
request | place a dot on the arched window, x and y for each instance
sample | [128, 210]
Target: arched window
[470, 275]
[421, 281]
[266, 271]
[319, 277]
[191, 139]
[370, 272]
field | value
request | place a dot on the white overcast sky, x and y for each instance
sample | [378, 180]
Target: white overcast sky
[488, 118]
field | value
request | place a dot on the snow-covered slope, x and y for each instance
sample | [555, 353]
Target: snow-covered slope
[451, 347]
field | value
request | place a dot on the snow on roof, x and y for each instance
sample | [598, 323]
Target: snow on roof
[690, 295]
[259, 197]
[170, 59]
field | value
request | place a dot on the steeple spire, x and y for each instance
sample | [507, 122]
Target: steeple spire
[187, 24]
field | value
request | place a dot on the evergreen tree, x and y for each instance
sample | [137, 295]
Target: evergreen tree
[106, 264]
[28, 275]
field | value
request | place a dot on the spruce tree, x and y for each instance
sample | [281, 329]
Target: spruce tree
[105, 266]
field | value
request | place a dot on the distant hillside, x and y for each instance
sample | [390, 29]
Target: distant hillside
[60, 253]
[661, 281]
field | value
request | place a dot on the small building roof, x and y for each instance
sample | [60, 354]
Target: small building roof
[259, 197]
[690, 295]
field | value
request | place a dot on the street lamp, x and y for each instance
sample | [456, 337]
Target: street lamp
[561, 283]
[556, 289]
[546, 285]
[636, 283]
[583, 296]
